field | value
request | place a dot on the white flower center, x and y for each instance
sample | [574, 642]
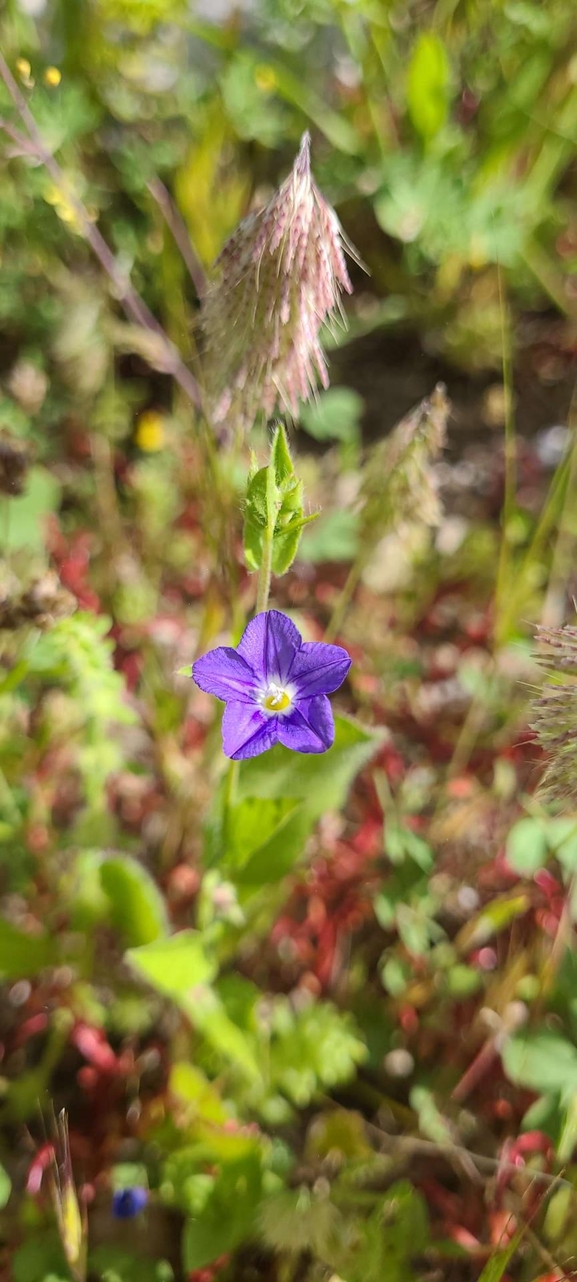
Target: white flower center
[275, 699]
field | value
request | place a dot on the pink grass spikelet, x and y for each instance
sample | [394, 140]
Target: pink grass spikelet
[278, 279]
[554, 714]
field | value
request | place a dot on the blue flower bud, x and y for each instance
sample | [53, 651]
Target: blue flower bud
[126, 1203]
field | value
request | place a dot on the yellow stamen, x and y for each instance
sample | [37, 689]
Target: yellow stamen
[277, 701]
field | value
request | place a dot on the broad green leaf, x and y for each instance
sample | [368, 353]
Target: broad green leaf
[275, 856]
[23, 955]
[180, 969]
[189, 1084]
[322, 782]
[428, 85]
[137, 909]
[335, 416]
[541, 1061]
[248, 826]
[174, 966]
[27, 515]
[527, 846]
[207, 1012]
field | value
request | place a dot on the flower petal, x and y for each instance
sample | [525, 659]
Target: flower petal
[247, 731]
[223, 672]
[269, 645]
[319, 668]
[309, 727]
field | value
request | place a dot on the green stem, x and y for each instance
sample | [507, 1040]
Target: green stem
[265, 572]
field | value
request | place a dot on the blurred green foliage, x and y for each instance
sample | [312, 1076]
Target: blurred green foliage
[445, 135]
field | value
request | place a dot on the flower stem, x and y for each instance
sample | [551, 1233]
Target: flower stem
[265, 572]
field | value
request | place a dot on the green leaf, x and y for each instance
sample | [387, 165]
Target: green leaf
[229, 1214]
[562, 835]
[334, 538]
[428, 85]
[180, 969]
[527, 846]
[321, 782]
[27, 515]
[189, 1084]
[316, 1047]
[274, 509]
[541, 1061]
[5, 1187]
[137, 909]
[265, 838]
[40, 1258]
[497, 1265]
[174, 966]
[335, 416]
[23, 955]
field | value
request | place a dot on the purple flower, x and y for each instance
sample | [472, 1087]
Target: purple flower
[275, 688]
[126, 1203]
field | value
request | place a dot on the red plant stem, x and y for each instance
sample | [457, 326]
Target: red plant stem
[180, 234]
[476, 1071]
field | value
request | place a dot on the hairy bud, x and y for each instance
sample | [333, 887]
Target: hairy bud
[279, 277]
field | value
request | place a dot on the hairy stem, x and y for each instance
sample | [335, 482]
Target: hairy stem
[265, 572]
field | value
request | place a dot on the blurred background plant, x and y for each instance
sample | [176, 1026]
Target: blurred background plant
[323, 1025]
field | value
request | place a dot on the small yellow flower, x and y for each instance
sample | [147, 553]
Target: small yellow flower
[150, 433]
[52, 77]
[23, 68]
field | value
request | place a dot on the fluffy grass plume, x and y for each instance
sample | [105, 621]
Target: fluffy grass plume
[278, 279]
